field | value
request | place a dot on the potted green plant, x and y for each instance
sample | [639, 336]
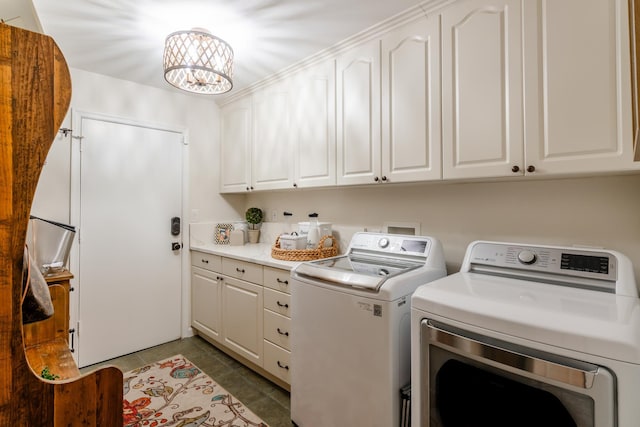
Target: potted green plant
[254, 218]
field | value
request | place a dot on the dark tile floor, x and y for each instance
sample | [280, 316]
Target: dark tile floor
[267, 400]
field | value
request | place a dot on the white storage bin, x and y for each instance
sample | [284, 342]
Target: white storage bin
[293, 241]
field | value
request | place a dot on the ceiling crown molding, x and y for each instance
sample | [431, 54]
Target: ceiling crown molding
[421, 10]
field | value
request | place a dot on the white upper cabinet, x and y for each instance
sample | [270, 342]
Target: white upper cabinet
[482, 89]
[578, 86]
[272, 159]
[314, 126]
[235, 150]
[411, 129]
[358, 115]
[471, 90]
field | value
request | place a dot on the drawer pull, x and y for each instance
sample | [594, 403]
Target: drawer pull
[282, 305]
[240, 270]
[205, 261]
[286, 282]
[283, 366]
[286, 334]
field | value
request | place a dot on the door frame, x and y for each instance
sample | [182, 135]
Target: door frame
[74, 208]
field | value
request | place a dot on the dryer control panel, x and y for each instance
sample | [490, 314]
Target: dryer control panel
[563, 261]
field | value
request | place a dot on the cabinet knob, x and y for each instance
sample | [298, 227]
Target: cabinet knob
[384, 178]
[376, 179]
[515, 169]
[295, 185]
[531, 168]
[251, 187]
[247, 188]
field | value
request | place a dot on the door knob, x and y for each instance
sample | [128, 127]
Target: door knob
[176, 246]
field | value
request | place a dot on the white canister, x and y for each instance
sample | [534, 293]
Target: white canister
[324, 228]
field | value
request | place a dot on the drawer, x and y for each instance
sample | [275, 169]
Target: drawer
[278, 279]
[206, 261]
[242, 270]
[277, 329]
[277, 361]
[278, 302]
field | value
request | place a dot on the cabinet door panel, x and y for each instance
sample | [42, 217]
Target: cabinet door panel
[482, 88]
[205, 302]
[235, 160]
[242, 318]
[411, 130]
[358, 83]
[315, 126]
[272, 160]
[578, 68]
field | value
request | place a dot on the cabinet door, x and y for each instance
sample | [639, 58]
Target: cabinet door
[482, 89]
[206, 291]
[578, 88]
[235, 147]
[242, 318]
[358, 109]
[272, 160]
[411, 130]
[314, 126]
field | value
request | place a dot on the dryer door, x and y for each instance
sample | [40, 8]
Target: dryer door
[469, 379]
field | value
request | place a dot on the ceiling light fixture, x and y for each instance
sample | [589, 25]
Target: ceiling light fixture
[198, 62]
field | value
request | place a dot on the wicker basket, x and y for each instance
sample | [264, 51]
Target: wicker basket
[305, 254]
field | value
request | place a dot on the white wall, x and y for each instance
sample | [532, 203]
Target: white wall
[598, 211]
[95, 93]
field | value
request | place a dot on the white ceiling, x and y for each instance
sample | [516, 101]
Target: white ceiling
[125, 39]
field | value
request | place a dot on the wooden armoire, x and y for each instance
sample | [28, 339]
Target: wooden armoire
[35, 92]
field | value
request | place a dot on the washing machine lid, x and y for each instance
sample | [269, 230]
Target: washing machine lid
[356, 271]
[372, 259]
[584, 320]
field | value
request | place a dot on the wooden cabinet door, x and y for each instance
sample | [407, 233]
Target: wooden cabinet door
[272, 158]
[206, 293]
[235, 147]
[314, 126]
[578, 87]
[482, 89]
[411, 129]
[358, 109]
[242, 318]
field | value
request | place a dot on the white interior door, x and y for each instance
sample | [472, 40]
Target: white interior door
[129, 280]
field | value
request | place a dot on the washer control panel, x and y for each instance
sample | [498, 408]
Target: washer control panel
[391, 244]
[569, 261]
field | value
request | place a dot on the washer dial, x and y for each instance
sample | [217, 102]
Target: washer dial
[527, 257]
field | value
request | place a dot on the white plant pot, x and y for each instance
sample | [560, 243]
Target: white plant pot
[254, 236]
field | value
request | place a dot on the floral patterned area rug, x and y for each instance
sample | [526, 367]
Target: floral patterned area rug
[174, 392]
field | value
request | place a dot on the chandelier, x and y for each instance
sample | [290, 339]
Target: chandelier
[198, 62]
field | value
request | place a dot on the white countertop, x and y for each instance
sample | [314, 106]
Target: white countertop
[259, 253]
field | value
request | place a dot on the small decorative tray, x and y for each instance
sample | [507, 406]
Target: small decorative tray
[305, 254]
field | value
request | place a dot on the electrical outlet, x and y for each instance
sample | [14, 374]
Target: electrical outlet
[273, 214]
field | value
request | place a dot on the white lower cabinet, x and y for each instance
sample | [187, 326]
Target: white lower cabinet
[277, 361]
[277, 323]
[205, 302]
[242, 318]
[244, 307]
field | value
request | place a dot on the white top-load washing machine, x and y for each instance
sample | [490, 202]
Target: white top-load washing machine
[528, 335]
[350, 338]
